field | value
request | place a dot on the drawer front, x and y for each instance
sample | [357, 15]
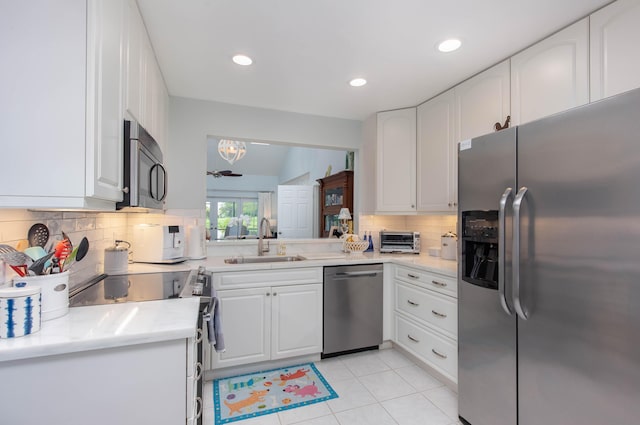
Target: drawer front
[440, 353]
[436, 309]
[436, 282]
[258, 278]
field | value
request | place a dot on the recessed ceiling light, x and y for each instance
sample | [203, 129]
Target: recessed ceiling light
[357, 82]
[449, 45]
[242, 60]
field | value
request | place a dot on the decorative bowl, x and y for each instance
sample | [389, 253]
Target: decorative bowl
[356, 246]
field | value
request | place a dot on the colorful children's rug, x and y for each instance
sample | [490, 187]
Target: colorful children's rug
[261, 393]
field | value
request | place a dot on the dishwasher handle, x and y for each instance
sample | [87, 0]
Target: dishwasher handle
[364, 273]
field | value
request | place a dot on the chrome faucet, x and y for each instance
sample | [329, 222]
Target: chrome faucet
[261, 235]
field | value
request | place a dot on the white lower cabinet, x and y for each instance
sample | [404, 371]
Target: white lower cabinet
[426, 318]
[277, 319]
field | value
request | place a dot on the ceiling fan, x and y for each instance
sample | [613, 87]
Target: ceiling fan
[223, 173]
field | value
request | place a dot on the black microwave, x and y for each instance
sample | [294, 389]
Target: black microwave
[145, 178]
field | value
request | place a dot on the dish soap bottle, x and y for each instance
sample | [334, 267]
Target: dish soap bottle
[370, 247]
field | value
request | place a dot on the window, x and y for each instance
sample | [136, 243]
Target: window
[232, 217]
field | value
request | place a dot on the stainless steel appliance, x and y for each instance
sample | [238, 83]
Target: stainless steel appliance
[399, 242]
[549, 293]
[145, 178]
[106, 289]
[352, 319]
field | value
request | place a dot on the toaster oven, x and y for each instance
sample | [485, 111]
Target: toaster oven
[400, 242]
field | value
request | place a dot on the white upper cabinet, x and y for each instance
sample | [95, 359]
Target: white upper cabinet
[436, 170]
[61, 104]
[134, 56]
[482, 101]
[552, 75]
[615, 54]
[147, 99]
[396, 161]
[105, 68]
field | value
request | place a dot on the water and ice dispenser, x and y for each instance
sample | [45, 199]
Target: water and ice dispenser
[480, 248]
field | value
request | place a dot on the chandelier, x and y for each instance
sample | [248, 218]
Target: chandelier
[231, 150]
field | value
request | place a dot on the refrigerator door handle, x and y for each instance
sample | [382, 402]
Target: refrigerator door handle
[517, 203]
[508, 193]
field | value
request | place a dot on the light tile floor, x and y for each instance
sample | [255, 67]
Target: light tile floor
[375, 388]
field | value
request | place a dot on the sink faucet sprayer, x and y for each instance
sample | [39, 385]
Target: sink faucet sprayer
[261, 235]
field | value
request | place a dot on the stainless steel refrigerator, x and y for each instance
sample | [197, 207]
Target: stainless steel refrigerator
[549, 271]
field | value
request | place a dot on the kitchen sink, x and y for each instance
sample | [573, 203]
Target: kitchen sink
[265, 259]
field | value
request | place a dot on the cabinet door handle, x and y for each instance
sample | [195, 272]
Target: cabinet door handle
[450, 204]
[442, 356]
[413, 276]
[415, 304]
[199, 371]
[199, 403]
[268, 293]
[441, 284]
[275, 293]
[199, 335]
[412, 338]
[435, 313]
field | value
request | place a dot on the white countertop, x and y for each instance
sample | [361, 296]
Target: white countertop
[107, 326]
[116, 325]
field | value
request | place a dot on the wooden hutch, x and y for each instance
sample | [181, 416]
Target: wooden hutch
[336, 192]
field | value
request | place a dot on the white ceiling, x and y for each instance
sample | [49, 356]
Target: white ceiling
[305, 52]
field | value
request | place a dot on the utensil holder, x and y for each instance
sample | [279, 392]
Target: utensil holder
[19, 311]
[55, 293]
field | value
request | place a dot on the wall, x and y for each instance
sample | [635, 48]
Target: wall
[312, 161]
[191, 121]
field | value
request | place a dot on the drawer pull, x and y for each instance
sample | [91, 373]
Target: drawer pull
[412, 338]
[442, 356]
[199, 335]
[199, 370]
[435, 313]
[415, 304]
[441, 284]
[413, 276]
[199, 408]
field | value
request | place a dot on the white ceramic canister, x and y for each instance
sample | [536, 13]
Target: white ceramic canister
[449, 246]
[116, 258]
[19, 311]
[196, 244]
[54, 291]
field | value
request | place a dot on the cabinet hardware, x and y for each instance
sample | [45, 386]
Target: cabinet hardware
[415, 304]
[449, 203]
[275, 293]
[435, 282]
[199, 410]
[199, 335]
[435, 313]
[442, 356]
[268, 294]
[455, 204]
[412, 338]
[199, 371]
[499, 127]
[413, 276]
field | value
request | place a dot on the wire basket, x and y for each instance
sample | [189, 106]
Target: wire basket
[356, 246]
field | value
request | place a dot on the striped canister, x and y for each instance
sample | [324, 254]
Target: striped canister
[19, 311]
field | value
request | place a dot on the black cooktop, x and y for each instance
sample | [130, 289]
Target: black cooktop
[132, 287]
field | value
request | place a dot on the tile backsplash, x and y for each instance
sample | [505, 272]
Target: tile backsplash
[431, 227]
[101, 229]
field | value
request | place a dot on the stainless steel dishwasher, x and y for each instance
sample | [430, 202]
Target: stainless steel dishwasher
[352, 308]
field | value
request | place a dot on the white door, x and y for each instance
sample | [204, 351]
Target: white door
[437, 178]
[296, 320]
[396, 151]
[295, 211]
[482, 101]
[552, 75]
[245, 320]
[615, 57]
